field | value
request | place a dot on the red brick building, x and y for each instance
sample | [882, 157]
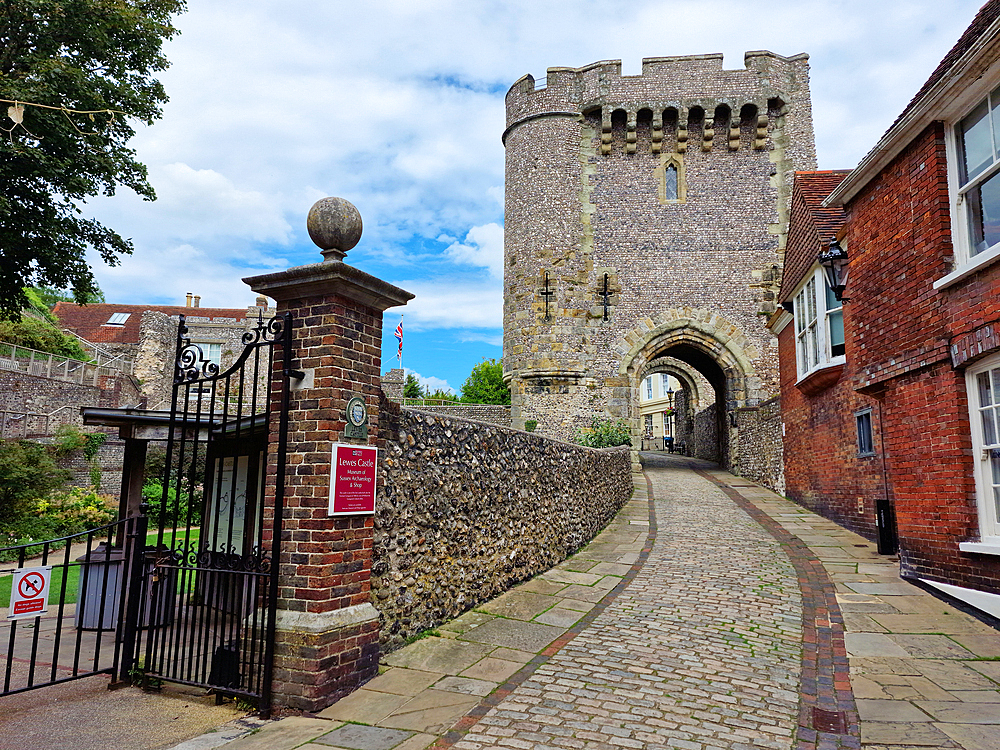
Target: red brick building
[892, 398]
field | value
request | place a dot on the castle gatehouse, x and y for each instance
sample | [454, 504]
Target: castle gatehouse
[645, 226]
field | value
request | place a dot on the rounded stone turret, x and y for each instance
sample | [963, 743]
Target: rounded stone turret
[335, 226]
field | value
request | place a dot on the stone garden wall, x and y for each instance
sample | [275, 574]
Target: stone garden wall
[466, 510]
[490, 413]
[761, 453]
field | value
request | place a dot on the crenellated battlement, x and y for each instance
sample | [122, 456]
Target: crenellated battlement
[675, 93]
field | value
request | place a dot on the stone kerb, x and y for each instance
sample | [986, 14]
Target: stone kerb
[326, 642]
[468, 509]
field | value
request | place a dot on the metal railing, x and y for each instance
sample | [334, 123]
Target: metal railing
[103, 357]
[16, 358]
[25, 424]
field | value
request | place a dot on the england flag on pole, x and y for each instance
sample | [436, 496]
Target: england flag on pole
[399, 338]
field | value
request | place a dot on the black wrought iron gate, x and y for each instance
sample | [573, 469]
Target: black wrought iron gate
[208, 616]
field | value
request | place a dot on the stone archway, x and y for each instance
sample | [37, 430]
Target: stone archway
[708, 343]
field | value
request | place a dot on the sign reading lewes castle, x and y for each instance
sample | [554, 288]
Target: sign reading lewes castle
[352, 479]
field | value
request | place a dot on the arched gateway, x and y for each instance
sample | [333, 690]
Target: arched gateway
[645, 226]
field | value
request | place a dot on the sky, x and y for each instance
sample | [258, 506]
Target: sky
[398, 107]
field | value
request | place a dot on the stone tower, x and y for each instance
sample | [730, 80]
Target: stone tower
[645, 224]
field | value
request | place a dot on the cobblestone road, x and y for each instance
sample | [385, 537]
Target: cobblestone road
[701, 650]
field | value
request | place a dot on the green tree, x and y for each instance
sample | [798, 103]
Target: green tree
[49, 296]
[440, 395]
[39, 329]
[77, 75]
[485, 384]
[411, 388]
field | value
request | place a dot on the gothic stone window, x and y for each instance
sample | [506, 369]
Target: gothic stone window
[670, 174]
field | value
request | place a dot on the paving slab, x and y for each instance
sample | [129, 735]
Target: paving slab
[360, 737]
[903, 735]
[523, 636]
[872, 644]
[560, 617]
[402, 681]
[989, 668]
[955, 675]
[365, 706]
[443, 655]
[947, 624]
[518, 605]
[956, 712]
[612, 569]
[980, 645]
[931, 646]
[891, 711]
[283, 735]
[542, 586]
[491, 668]
[466, 685]
[971, 736]
[556, 575]
[433, 712]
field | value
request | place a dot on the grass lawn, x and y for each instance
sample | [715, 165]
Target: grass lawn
[73, 579]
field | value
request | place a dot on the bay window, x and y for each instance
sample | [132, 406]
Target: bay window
[819, 325]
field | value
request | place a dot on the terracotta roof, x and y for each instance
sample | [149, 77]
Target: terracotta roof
[986, 16]
[91, 321]
[811, 225]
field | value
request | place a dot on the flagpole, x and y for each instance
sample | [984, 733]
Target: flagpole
[399, 354]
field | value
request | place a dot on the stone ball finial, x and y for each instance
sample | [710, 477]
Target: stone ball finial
[335, 225]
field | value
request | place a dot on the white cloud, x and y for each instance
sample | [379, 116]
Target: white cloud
[430, 383]
[483, 247]
[453, 304]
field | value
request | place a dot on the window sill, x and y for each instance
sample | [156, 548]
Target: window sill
[975, 264]
[821, 378]
[991, 547]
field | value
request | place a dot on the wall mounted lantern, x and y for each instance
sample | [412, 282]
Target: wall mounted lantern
[834, 262]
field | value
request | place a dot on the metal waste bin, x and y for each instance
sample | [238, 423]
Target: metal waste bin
[102, 579]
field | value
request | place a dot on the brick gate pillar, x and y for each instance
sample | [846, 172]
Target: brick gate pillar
[327, 629]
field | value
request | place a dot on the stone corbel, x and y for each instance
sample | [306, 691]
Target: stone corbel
[734, 133]
[761, 138]
[708, 134]
[656, 133]
[682, 130]
[630, 134]
[605, 132]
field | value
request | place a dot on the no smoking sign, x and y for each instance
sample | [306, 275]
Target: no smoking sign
[29, 594]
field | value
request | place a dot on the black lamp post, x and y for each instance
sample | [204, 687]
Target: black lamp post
[835, 266]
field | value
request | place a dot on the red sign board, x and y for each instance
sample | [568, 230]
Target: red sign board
[29, 593]
[352, 479]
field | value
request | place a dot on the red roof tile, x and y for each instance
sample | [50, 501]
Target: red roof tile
[91, 321]
[811, 225]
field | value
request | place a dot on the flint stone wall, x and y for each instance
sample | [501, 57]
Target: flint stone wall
[490, 413]
[761, 452]
[466, 510]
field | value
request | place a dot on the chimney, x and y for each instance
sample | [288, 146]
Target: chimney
[197, 300]
[262, 301]
[188, 303]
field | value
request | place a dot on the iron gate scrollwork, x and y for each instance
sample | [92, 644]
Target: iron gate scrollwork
[211, 611]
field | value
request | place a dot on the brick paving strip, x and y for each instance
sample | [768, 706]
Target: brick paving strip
[709, 614]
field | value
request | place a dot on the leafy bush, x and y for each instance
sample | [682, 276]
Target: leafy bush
[530, 425]
[28, 471]
[61, 513]
[604, 433]
[34, 333]
[152, 494]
